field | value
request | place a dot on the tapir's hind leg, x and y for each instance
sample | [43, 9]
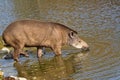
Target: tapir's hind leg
[17, 50]
[16, 54]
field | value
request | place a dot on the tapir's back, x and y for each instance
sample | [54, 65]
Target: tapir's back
[33, 33]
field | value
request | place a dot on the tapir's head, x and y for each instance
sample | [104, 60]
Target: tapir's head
[76, 42]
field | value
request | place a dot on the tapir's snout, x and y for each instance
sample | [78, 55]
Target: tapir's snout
[82, 45]
[85, 48]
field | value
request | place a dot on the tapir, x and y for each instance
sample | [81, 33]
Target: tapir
[34, 33]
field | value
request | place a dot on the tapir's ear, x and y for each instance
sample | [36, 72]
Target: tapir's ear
[71, 34]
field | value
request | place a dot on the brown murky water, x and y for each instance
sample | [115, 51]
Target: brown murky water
[98, 23]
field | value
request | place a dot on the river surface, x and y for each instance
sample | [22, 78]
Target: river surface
[96, 21]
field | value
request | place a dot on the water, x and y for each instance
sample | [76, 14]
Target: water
[96, 21]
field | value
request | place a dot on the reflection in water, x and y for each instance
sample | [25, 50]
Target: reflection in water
[97, 22]
[56, 68]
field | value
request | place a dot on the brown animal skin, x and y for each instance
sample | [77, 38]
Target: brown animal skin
[33, 33]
